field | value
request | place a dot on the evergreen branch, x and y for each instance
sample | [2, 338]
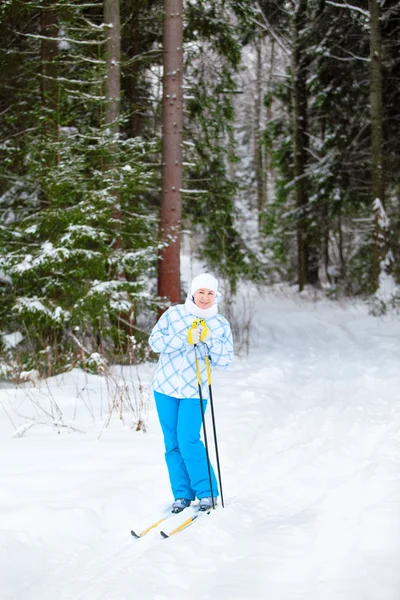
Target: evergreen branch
[18, 134]
[76, 81]
[36, 36]
[139, 216]
[56, 5]
[141, 56]
[76, 94]
[93, 26]
[86, 5]
[88, 59]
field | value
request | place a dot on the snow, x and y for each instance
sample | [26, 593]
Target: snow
[34, 305]
[11, 340]
[309, 439]
[388, 289]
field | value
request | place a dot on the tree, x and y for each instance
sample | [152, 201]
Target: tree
[376, 92]
[60, 257]
[260, 163]
[171, 199]
[113, 64]
[49, 52]
[300, 140]
[113, 95]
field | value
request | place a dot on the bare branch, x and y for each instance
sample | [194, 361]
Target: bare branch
[284, 44]
[20, 431]
[365, 13]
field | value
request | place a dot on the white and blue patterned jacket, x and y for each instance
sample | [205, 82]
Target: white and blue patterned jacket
[176, 371]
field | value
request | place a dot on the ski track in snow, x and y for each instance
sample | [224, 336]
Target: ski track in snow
[309, 439]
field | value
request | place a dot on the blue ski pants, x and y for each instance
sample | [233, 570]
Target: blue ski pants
[185, 454]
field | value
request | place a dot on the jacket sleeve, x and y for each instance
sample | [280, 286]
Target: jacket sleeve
[221, 349]
[163, 338]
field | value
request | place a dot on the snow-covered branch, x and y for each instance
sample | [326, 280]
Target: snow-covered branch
[365, 13]
[20, 431]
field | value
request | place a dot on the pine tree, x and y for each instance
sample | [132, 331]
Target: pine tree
[68, 285]
[171, 195]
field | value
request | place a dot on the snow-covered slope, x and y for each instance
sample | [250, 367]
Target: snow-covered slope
[309, 439]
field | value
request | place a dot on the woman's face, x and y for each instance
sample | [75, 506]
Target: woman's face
[204, 298]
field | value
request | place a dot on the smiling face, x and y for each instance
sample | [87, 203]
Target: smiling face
[204, 298]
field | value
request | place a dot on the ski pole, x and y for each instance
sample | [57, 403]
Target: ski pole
[204, 423]
[213, 422]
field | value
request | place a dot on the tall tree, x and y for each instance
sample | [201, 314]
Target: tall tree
[258, 146]
[113, 92]
[171, 198]
[113, 64]
[49, 86]
[299, 136]
[377, 172]
[307, 247]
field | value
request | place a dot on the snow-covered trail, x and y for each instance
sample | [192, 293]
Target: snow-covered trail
[309, 438]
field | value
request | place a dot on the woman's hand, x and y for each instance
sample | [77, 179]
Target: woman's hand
[194, 335]
[199, 333]
[205, 333]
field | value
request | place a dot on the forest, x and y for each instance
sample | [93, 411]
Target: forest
[289, 163]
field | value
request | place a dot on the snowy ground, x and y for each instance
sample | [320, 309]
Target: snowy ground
[309, 435]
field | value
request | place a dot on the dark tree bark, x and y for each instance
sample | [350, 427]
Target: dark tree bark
[49, 52]
[48, 84]
[171, 201]
[377, 173]
[258, 147]
[268, 158]
[307, 255]
[299, 115]
[113, 64]
[111, 9]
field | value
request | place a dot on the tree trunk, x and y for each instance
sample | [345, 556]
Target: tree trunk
[49, 84]
[171, 202]
[299, 125]
[269, 175]
[258, 147]
[377, 177]
[49, 52]
[111, 16]
[113, 64]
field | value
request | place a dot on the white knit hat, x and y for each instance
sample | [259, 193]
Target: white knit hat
[205, 280]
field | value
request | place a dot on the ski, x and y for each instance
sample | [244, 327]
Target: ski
[185, 524]
[149, 528]
[156, 523]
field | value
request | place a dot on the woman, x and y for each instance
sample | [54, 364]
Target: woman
[176, 389]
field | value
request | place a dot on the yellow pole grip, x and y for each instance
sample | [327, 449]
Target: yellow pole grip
[208, 370]
[198, 371]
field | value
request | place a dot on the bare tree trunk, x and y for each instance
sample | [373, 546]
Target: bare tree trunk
[268, 159]
[171, 201]
[111, 10]
[377, 173]
[258, 148]
[299, 99]
[49, 53]
[342, 272]
[307, 252]
[113, 64]
[49, 84]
